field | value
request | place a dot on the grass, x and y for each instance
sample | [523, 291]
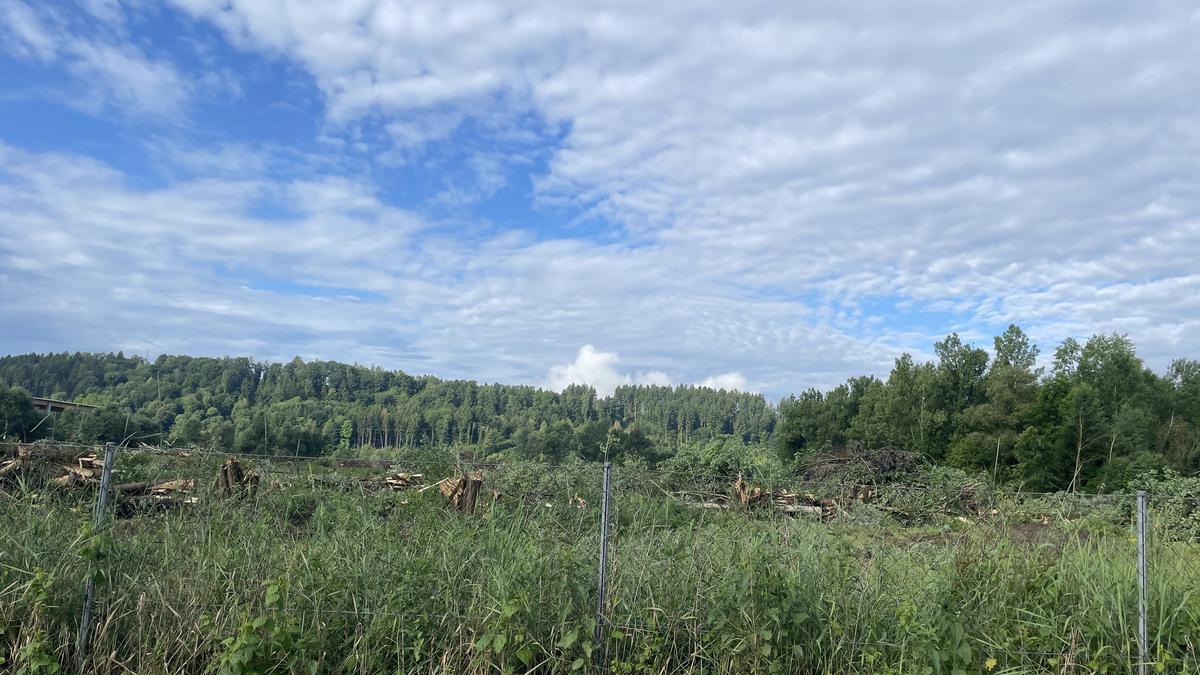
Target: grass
[314, 576]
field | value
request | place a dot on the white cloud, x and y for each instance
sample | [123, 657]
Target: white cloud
[730, 381]
[26, 34]
[124, 77]
[599, 370]
[109, 71]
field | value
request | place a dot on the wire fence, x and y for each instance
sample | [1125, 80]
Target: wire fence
[366, 565]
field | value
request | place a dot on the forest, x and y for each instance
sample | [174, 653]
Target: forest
[1089, 419]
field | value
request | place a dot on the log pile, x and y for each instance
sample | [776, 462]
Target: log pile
[463, 491]
[741, 492]
[234, 480]
[58, 467]
[42, 451]
[150, 496]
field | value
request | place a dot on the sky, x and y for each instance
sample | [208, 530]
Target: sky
[753, 195]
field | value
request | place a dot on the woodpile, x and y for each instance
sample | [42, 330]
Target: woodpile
[42, 451]
[149, 496]
[58, 468]
[463, 491]
[160, 489]
[234, 480]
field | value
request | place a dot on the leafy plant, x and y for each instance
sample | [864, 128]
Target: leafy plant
[268, 643]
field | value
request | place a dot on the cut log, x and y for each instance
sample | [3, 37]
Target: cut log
[128, 489]
[181, 485]
[802, 508]
[152, 488]
[11, 466]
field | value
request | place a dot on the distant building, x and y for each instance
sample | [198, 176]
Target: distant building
[54, 405]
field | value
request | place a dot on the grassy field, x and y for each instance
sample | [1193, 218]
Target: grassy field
[316, 575]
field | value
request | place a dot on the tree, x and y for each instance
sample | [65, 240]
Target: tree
[1013, 349]
[18, 418]
[986, 433]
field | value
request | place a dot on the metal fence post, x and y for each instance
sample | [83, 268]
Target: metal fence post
[603, 584]
[89, 586]
[1143, 641]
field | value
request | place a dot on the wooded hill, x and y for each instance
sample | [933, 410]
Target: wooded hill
[319, 407]
[1091, 419]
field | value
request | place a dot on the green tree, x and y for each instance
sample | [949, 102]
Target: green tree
[18, 418]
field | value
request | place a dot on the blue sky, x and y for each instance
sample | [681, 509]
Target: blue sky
[737, 194]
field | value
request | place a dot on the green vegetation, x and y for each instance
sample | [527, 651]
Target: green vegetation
[1035, 574]
[317, 576]
[1097, 418]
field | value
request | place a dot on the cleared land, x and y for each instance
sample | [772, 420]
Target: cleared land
[327, 567]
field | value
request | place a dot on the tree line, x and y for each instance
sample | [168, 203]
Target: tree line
[1093, 420]
[323, 407]
[1088, 418]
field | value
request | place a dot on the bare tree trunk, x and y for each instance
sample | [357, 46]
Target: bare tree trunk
[1078, 454]
[1166, 435]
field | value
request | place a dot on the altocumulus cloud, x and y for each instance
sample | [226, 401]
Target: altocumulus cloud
[784, 194]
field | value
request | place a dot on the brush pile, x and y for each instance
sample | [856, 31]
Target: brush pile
[857, 463]
[43, 465]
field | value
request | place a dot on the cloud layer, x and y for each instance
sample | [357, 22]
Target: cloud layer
[787, 195]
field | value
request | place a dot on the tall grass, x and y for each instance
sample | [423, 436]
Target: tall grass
[315, 576]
